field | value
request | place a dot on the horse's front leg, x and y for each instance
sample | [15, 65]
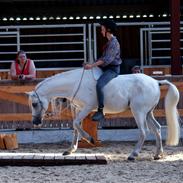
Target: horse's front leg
[74, 144]
[78, 130]
[77, 124]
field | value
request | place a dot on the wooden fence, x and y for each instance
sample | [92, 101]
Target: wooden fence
[14, 102]
[15, 113]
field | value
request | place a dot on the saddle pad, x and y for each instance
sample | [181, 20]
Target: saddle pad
[97, 72]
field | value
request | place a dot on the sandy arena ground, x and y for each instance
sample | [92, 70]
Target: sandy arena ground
[118, 169]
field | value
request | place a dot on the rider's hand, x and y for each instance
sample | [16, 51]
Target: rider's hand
[88, 66]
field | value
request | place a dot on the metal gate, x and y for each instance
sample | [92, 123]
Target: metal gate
[155, 46]
[50, 46]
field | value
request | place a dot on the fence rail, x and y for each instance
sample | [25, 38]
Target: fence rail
[69, 45]
[155, 46]
[53, 43]
[14, 108]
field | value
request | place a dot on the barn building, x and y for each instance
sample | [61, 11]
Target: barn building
[60, 35]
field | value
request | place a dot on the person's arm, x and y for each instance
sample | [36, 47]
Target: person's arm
[13, 74]
[97, 63]
[32, 71]
[112, 51]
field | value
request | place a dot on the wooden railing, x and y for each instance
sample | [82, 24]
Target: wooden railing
[4, 75]
[14, 92]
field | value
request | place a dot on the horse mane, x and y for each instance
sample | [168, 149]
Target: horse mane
[55, 77]
[58, 105]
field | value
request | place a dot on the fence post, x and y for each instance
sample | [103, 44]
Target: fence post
[176, 65]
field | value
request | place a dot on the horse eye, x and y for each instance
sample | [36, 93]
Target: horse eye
[64, 100]
[34, 104]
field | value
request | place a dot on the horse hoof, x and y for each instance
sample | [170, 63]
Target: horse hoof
[130, 158]
[66, 153]
[157, 157]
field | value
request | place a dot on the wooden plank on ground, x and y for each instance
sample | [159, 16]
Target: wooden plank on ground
[49, 159]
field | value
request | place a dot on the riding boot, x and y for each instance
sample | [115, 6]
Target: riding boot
[98, 115]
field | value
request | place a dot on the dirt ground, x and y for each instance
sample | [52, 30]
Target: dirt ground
[118, 170]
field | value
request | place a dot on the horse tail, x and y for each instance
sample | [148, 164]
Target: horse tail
[172, 116]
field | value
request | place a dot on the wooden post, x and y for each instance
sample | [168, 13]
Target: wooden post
[8, 141]
[176, 65]
[2, 145]
[91, 128]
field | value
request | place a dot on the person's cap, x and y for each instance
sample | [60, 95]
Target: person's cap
[136, 67]
[110, 25]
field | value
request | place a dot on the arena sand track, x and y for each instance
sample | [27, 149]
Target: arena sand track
[118, 170]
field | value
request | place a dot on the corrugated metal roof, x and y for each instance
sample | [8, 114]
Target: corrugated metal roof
[83, 2]
[80, 7]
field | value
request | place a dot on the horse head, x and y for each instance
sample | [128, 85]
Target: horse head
[39, 106]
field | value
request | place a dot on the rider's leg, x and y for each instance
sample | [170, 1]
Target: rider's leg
[102, 81]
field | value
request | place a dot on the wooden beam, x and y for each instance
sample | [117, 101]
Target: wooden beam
[128, 114]
[17, 89]
[28, 116]
[25, 88]
[176, 65]
[21, 99]
[8, 82]
[15, 117]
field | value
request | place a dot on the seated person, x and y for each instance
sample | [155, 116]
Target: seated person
[22, 68]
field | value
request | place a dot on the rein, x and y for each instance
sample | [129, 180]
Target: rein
[93, 74]
[78, 85]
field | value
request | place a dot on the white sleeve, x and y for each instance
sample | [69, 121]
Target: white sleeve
[32, 68]
[13, 69]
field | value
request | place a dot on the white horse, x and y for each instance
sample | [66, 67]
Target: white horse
[139, 92]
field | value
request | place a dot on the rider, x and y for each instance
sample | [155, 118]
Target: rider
[109, 62]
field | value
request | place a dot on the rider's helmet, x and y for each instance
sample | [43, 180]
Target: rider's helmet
[109, 24]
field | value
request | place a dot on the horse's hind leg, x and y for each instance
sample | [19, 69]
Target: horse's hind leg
[140, 118]
[155, 128]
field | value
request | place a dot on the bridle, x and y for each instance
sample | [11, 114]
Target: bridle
[42, 107]
[41, 103]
